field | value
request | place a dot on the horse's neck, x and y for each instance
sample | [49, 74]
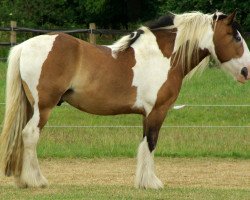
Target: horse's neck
[166, 41]
[202, 54]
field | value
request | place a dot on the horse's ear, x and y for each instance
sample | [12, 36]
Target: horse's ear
[231, 17]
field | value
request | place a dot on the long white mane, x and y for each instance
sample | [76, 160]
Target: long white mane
[194, 31]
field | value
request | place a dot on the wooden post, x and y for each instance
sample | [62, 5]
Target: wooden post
[13, 33]
[92, 37]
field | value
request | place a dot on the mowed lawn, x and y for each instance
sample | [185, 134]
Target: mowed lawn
[100, 136]
[113, 178]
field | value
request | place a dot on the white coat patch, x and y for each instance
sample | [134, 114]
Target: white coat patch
[150, 71]
[34, 52]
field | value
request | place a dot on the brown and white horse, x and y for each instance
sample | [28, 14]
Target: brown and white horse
[141, 73]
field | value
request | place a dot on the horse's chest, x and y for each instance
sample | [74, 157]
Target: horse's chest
[150, 73]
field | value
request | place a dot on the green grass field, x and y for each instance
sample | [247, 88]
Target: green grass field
[212, 87]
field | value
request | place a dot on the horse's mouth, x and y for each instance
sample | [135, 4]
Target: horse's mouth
[244, 75]
[242, 79]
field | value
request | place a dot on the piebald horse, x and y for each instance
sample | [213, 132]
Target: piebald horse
[141, 73]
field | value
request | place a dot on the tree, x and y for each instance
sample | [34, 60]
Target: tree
[210, 6]
[109, 13]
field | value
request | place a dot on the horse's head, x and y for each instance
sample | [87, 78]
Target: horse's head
[230, 48]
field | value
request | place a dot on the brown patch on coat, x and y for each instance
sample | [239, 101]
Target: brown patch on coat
[57, 73]
[102, 84]
[98, 83]
[169, 91]
[166, 39]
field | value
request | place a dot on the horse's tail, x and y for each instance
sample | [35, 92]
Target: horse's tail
[16, 116]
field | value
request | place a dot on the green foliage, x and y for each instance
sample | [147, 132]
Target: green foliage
[210, 6]
[108, 13]
[73, 13]
[38, 13]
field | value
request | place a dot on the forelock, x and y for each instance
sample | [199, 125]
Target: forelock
[219, 16]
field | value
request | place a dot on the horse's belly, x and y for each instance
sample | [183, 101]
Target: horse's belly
[101, 104]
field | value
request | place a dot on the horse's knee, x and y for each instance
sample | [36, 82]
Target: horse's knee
[30, 135]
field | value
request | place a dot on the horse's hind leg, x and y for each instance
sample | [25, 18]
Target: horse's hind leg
[31, 175]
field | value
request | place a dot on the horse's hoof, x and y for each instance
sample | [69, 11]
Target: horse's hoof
[41, 183]
[154, 183]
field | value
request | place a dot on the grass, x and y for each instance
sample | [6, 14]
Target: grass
[113, 179]
[212, 87]
[206, 178]
[122, 192]
[117, 142]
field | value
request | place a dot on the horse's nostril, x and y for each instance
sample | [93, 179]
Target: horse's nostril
[244, 72]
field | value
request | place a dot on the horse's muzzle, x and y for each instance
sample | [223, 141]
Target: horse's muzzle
[244, 72]
[244, 75]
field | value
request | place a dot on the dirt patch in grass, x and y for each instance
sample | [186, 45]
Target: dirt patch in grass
[174, 172]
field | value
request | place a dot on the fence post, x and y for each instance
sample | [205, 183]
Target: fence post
[13, 33]
[92, 37]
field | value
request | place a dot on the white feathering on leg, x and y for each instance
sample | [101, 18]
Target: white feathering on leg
[31, 175]
[145, 175]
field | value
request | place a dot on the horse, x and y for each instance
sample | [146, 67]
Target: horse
[141, 73]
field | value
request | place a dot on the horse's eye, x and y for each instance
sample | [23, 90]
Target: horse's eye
[237, 38]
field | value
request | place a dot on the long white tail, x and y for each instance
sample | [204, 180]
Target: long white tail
[11, 144]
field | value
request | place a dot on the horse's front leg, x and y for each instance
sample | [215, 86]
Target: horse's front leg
[145, 173]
